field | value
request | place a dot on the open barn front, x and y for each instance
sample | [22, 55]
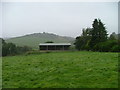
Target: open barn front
[54, 46]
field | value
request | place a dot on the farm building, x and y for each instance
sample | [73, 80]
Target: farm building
[54, 46]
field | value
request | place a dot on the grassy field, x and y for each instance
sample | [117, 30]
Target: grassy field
[61, 70]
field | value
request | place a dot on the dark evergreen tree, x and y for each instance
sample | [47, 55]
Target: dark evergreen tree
[94, 33]
[98, 33]
[49, 42]
[102, 32]
[77, 43]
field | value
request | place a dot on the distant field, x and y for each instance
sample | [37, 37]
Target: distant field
[61, 70]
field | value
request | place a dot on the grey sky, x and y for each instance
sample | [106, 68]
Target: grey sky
[66, 19]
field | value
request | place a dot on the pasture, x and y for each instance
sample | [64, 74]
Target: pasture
[79, 69]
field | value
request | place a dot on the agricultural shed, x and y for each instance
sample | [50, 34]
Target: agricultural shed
[54, 46]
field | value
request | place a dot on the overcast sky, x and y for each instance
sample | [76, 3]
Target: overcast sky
[61, 18]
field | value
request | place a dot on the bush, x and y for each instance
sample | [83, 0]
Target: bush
[115, 48]
[106, 46]
[87, 47]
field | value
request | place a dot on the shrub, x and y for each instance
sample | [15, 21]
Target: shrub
[115, 48]
[106, 46]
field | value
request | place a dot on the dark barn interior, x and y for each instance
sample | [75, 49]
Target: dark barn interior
[54, 46]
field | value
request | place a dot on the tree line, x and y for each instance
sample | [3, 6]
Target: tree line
[97, 39]
[12, 49]
[91, 39]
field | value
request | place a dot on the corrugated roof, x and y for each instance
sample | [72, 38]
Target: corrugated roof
[55, 44]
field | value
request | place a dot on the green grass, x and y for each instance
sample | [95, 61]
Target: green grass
[61, 70]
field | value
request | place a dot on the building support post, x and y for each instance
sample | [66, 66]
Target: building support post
[47, 47]
[63, 47]
[55, 47]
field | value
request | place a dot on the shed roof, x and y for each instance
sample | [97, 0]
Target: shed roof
[42, 44]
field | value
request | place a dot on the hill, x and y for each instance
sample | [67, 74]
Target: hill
[33, 40]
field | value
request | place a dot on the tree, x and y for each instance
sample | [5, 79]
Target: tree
[102, 32]
[8, 49]
[3, 41]
[12, 49]
[4, 48]
[112, 36]
[98, 33]
[49, 42]
[82, 42]
[1, 47]
[86, 32]
[78, 43]
[94, 33]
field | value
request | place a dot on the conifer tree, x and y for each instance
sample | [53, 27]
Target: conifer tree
[98, 33]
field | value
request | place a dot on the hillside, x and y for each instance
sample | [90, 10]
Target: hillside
[33, 40]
